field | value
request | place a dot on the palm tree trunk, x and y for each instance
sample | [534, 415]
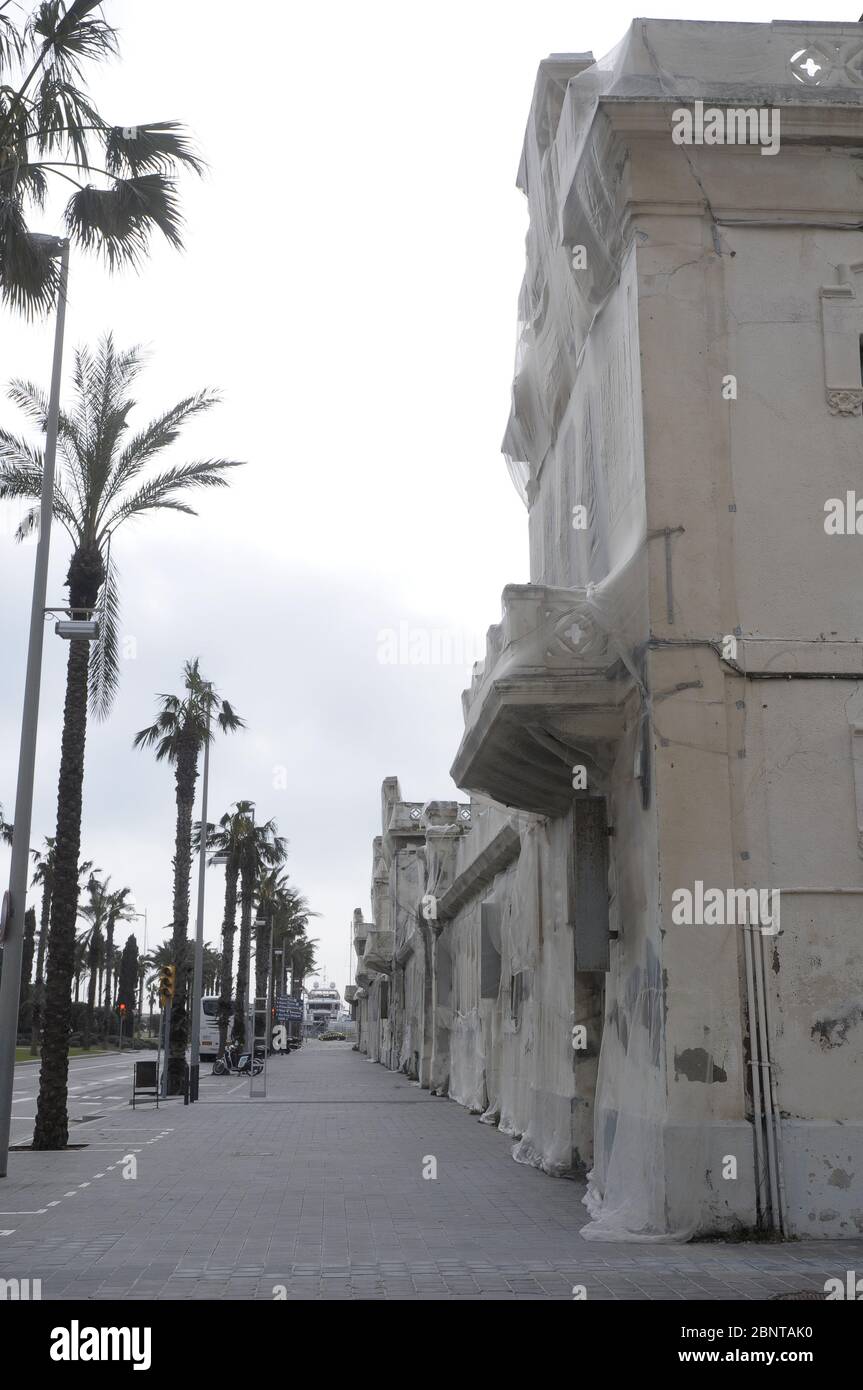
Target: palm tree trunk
[109, 961]
[263, 936]
[229, 928]
[247, 878]
[39, 986]
[186, 777]
[26, 997]
[92, 987]
[85, 576]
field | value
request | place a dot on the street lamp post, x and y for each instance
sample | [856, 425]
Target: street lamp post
[198, 978]
[13, 943]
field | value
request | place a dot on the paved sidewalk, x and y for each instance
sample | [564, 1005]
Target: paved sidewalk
[319, 1189]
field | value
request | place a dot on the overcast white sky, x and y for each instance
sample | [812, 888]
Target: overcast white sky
[350, 281]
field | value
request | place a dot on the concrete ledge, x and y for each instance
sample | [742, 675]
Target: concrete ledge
[501, 851]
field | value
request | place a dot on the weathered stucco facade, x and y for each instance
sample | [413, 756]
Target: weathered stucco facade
[677, 697]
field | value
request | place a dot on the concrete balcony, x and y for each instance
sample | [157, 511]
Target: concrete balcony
[405, 820]
[378, 955]
[549, 695]
[363, 978]
[351, 992]
[360, 932]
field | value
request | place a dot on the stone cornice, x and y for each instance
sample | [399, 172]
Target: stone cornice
[500, 852]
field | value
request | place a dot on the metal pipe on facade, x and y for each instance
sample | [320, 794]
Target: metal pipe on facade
[755, 1064]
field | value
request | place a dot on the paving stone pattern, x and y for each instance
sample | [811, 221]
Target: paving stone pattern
[319, 1189]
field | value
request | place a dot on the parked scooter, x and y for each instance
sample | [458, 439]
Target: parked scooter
[236, 1062]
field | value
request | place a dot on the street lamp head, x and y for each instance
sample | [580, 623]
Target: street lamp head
[78, 629]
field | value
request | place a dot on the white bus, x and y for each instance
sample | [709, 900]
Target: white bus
[209, 1027]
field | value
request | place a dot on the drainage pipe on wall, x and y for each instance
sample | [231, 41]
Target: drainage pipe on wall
[755, 1064]
[774, 1119]
[764, 1094]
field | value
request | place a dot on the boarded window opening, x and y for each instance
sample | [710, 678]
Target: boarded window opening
[590, 884]
[489, 961]
[516, 998]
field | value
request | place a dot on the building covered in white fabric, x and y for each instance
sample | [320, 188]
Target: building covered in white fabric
[636, 947]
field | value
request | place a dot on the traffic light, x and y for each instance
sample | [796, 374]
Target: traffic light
[167, 983]
[122, 1008]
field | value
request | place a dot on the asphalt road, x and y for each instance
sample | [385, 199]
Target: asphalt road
[96, 1085]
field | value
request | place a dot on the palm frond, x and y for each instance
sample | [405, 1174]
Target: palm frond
[104, 675]
[229, 720]
[30, 400]
[21, 477]
[63, 117]
[96, 463]
[157, 147]
[155, 437]
[157, 493]
[117, 222]
[29, 277]
[11, 43]
[68, 36]
[23, 182]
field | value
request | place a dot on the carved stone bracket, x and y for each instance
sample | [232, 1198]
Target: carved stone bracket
[845, 402]
[841, 325]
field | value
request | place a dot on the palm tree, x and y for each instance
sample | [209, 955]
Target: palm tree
[5, 829]
[101, 486]
[289, 926]
[271, 889]
[50, 130]
[226, 840]
[80, 967]
[43, 876]
[302, 964]
[145, 965]
[212, 963]
[96, 913]
[158, 958]
[25, 997]
[261, 847]
[118, 911]
[182, 728]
